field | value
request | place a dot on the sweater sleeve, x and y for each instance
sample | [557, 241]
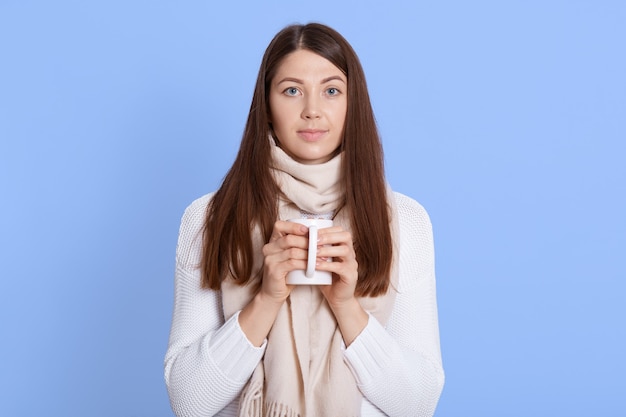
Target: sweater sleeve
[208, 361]
[398, 368]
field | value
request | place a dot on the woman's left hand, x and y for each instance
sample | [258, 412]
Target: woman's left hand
[336, 243]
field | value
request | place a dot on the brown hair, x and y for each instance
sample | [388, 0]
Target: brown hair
[248, 195]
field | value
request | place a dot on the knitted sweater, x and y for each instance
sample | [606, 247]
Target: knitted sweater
[398, 368]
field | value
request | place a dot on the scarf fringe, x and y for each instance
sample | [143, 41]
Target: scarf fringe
[251, 403]
[251, 400]
[280, 410]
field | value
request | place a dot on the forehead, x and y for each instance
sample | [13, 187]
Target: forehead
[306, 64]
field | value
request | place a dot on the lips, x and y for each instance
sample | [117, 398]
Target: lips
[311, 135]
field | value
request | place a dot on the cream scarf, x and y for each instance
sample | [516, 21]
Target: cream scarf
[303, 373]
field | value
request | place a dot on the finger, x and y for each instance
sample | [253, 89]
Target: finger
[279, 265]
[339, 252]
[329, 230]
[282, 228]
[283, 255]
[334, 236]
[347, 271]
[285, 243]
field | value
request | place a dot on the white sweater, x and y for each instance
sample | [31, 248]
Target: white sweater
[398, 368]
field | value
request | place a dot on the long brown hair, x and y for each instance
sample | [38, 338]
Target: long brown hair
[248, 195]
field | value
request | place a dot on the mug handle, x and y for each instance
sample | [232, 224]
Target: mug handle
[312, 256]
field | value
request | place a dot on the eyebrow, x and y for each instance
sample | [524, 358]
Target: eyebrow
[299, 81]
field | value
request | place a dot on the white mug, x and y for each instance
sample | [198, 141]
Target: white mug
[310, 276]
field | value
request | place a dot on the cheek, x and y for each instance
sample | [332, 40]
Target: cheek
[277, 122]
[283, 117]
[340, 116]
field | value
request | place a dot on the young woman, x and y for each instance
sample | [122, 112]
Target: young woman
[243, 341]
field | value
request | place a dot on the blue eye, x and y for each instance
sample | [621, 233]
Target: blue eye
[332, 91]
[291, 91]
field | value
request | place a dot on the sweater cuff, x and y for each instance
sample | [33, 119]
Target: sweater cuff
[370, 353]
[232, 351]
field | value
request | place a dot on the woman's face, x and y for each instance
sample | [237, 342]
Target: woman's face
[308, 103]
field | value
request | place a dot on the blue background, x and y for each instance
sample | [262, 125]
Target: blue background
[505, 119]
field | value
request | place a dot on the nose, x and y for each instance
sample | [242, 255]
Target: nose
[311, 108]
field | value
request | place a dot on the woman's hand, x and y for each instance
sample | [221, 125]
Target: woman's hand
[336, 243]
[285, 252]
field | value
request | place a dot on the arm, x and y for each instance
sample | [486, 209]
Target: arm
[398, 369]
[208, 361]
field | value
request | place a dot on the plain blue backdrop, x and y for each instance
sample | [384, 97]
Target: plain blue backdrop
[505, 119]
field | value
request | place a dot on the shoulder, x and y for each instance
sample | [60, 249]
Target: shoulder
[195, 214]
[416, 237]
[197, 208]
[190, 232]
[411, 214]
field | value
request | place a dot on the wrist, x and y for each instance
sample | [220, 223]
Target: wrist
[348, 306]
[257, 318]
[351, 318]
[268, 301]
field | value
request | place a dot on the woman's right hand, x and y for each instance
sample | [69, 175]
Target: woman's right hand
[286, 251]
